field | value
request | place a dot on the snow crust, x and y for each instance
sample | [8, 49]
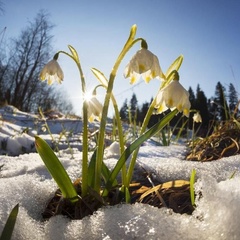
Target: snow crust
[25, 180]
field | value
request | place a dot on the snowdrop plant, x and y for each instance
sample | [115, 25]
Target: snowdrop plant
[162, 102]
[196, 119]
[94, 108]
[143, 64]
[52, 72]
[174, 95]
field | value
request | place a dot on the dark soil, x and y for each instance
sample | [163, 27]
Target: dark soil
[173, 194]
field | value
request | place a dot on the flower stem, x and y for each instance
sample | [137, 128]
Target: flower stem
[170, 74]
[120, 136]
[75, 57]
[135, 153]
[100, 151]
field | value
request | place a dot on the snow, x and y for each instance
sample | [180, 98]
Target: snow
[25, 180]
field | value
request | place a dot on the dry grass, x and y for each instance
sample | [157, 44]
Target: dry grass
[173, 194]
[223, 142]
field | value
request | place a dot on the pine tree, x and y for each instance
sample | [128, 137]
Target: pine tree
[233, 99]
[133, 107]
[192, 97]
[201, 105]
[124, 111]
[192, 100]
[221, 103]
[142, 112]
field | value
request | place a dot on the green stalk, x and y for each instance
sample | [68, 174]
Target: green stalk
[135, 153]
[171, 73]
[120, 136]
[100, 151]
[104, 82]
[192, 192]
[135, 145]
[75, 57]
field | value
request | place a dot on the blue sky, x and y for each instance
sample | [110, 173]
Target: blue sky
[206, 32]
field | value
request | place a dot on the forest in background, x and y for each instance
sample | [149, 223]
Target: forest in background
[22, 58]
[222, 106]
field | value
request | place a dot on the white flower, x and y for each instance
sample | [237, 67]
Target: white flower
[174, 95]
[143, 63]
[94, 109]
[52, 72]
[197, 117]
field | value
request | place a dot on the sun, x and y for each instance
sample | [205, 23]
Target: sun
[88, 96]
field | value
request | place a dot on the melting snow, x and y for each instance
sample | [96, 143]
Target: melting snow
[25, 180]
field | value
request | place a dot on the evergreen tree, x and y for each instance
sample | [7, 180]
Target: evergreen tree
[133, 107]
[124, 111]
[192, 100]
[192, 97]
[221, 103]
[142, 112]
[201, 105]
[233, 99]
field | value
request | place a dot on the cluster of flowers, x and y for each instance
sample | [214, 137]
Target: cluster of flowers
[144, 63]
[171, 95]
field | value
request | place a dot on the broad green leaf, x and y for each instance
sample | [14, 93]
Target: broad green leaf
[56, 169]
[74, 53]
[175, 65]
[192, 181]
[124, 194]
[128, 151]
[100, 76]
[9, 226]
[164, 138]
[91, 171]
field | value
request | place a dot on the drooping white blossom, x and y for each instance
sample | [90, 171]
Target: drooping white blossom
[144, 63]
[197, 117]
[94, 109]
[174, 95]
[52, 72]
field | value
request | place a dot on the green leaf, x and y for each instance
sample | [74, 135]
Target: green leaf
[175, 65]
[91, 171]
[192, 181]
[9, 226]
[74, 53]
[56, 169]
[133, 32]
[100, 76]
[164, 138]
[128, 151]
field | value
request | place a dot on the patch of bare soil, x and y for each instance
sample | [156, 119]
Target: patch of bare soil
[173, 194]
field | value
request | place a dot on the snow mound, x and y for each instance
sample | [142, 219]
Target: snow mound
[17, 131]
[25, 180]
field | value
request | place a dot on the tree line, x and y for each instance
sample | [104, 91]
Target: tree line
[223, 106]
[21, 60]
